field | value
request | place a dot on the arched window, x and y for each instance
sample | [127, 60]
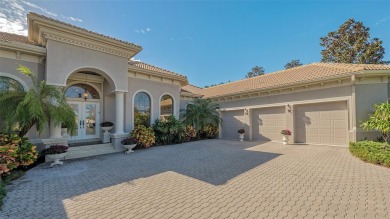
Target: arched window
[9, 84]
[142, 109]
[166, 106]
[78, 90]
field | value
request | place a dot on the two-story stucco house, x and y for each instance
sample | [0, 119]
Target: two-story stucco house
[321, 103]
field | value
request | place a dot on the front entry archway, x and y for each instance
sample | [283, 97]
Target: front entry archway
[85, 101]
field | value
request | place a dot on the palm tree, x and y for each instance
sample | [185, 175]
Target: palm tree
[199, 113]
[41, 104]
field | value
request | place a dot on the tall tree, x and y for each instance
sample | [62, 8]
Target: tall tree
[351, 43]
[256, 71]
[293, 63]
[37, 106]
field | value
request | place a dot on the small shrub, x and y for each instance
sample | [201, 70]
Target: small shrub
[286, 132]
[372, 152]
[13, 175]
[26, 154]
[8, 155]
[55, 149]
[15, 151]
[169, 131]
[143, 136]
[209, 132]
[379, 120]
[190, 133]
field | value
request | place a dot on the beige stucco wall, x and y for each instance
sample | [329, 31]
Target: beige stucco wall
[366, 96]
[9, 66]
[155, 90]
[64, 59]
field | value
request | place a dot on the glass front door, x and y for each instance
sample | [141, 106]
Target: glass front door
[87, 120]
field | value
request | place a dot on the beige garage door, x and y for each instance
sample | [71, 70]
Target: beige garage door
[231, 122]
[322, 123]
[267, 123]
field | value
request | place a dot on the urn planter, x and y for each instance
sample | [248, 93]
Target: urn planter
[241, 137]
[129, 148]
[56, 158]
[106, 134]
[285, 139]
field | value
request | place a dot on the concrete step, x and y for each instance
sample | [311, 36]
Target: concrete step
[88, 151]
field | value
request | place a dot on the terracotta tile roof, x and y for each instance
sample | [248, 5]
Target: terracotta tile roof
[149, 67]
[10, 37]
[192, 89]
[305, 73]
[82, 29]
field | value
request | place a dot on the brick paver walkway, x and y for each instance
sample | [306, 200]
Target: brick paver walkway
[206, 179]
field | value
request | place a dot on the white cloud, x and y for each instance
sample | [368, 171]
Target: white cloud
[136, 60]
[382, 20]
[143, 31]
[13, 15]
[44, 10]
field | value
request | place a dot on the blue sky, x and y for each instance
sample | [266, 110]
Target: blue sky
[214, 41]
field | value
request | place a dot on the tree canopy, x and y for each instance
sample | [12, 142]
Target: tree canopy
[293, 63]
[200, 113]
[351, 43]
[256, 71]
[41, 104]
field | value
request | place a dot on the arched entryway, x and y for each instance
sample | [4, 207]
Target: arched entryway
[86, 100]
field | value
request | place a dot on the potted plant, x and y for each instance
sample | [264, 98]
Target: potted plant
[129, 144]
[56, 152]
[106, 126]
[242, 134]
[285, 133]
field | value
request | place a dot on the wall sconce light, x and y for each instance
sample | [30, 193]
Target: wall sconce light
[85, 95]
[289, 108]
[246, 111]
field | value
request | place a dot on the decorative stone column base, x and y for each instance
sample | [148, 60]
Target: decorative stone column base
[116, 141]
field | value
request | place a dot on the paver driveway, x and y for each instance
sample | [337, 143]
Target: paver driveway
[206, 179]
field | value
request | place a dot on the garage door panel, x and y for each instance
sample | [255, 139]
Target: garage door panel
[322, 123]
[325, 131]
[231, 122]
[267, 123]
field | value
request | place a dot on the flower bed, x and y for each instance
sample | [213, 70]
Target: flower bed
[372, 152]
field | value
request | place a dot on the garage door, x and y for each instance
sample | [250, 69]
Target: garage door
[267, 123]
[231, 122]
[323, 123]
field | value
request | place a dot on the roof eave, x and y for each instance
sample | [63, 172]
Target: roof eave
[26, 48]
[182, 79]
[343, 76]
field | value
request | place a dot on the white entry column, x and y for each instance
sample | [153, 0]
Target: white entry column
[119, 112]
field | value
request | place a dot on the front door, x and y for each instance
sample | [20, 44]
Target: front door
[87, 119]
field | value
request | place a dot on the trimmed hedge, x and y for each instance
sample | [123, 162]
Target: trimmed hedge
[372, 152]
